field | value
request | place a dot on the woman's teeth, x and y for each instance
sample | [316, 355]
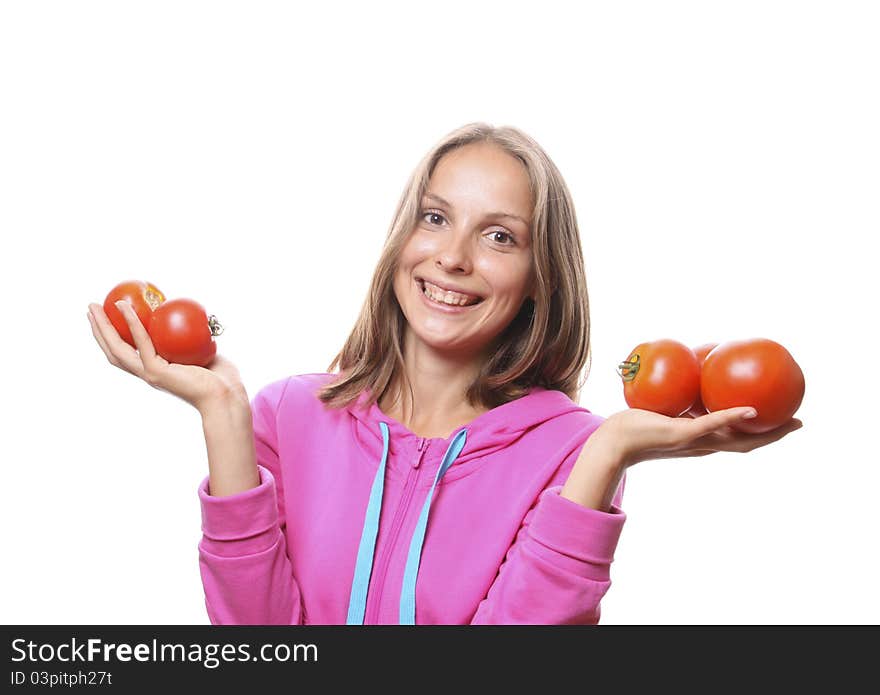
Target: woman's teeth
[445, 297]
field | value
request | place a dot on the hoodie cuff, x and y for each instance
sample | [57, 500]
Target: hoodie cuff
[584, 538]
[244, 523]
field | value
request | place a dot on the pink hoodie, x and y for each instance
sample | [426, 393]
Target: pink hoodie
[328, 537]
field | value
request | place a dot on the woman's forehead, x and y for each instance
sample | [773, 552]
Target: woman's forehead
[482, 177]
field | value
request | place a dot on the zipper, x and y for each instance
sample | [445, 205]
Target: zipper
[396, 524]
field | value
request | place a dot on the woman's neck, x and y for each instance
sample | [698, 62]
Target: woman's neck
[431, 421]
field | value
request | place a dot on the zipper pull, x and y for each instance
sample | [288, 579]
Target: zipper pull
[418, 458]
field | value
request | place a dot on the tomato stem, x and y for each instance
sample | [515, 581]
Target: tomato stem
[629, 368]
[153, 297]
[215, 326]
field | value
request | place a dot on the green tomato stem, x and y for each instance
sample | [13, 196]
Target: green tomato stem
[629, 368]
[215, 326]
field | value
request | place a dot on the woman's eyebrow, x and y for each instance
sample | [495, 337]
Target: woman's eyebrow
[440, 200]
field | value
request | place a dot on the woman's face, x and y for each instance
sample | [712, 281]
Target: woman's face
[473, 237]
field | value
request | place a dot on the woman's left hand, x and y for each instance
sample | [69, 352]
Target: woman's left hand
[641, 435]
[635, 435]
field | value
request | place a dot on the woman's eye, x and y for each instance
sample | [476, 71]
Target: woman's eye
[498, 236]
[510, 240]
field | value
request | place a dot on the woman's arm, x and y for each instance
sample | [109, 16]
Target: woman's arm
[229, 438]
[243, 558]
[558, 568]
[596, 475]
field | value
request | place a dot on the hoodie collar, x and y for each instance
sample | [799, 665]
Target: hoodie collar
[488, 432]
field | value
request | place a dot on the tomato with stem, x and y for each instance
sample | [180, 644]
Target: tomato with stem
[183, 333]
[662, 376]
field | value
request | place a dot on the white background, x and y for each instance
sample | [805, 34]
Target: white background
[723, 158]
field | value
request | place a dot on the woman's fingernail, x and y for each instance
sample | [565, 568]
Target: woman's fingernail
[749, 414]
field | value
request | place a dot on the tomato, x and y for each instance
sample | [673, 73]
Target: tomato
[143, 297]
[183, 333]
[662, 376]
[756, 372]
[700, 351]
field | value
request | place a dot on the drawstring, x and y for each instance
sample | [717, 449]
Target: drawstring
[357, 602]
[367, 548]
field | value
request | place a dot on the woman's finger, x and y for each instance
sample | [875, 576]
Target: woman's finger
[744, 442]
[100, 340]
[774, 435]
[119, 353]
[152, 363]
[142, 340]
[711, 422]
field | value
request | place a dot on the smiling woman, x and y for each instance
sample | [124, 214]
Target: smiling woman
[445, 473]
[485, 215]
[420, 482]
[455, 257]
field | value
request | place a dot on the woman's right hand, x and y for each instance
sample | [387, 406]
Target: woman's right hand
[201, 387]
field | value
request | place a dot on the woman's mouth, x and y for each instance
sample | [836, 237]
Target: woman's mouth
[445, 299]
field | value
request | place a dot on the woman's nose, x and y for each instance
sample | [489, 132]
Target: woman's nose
[455, 255]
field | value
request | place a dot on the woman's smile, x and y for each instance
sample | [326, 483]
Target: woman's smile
[446, 302]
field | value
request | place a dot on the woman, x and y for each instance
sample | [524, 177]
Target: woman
[445, 473]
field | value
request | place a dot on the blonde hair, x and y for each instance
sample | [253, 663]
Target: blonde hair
[546, 344]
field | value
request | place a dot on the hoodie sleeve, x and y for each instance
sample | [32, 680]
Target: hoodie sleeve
[246, 572]
[558, 568]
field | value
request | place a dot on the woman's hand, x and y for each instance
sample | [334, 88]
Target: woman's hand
[201, 387]
[641, 435]
[635, 435]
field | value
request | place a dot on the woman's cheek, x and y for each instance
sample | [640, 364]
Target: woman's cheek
[421, 244]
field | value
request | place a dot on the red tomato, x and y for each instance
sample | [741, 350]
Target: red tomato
[701, 351]
[756, 372]
[662, 376]
[143, 297]
[183, 333]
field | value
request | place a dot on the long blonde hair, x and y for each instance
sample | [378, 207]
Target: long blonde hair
[546, 344]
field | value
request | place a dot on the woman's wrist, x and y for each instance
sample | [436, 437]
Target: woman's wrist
[594, 479]
[229, 405]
